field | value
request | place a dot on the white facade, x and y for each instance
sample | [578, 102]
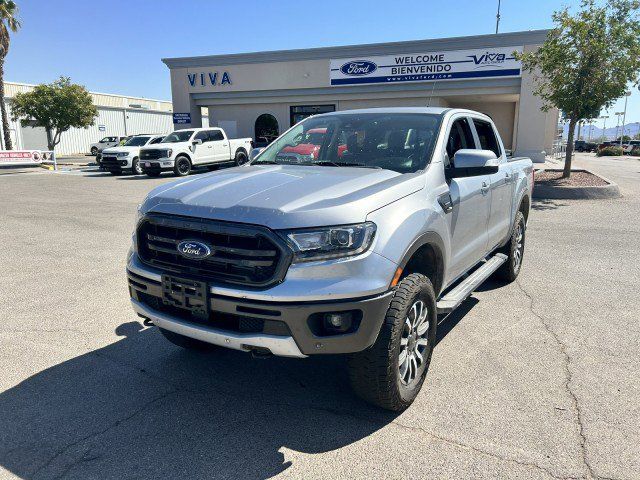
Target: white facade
[477, 72]
[118, 115]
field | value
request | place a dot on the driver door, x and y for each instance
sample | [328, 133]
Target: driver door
[471, 199]
[202, 153]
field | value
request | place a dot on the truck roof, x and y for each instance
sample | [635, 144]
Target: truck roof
[430, 110]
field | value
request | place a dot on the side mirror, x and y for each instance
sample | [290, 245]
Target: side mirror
[472, 163]
[197, 141]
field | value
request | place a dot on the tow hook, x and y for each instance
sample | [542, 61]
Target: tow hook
[147, 322]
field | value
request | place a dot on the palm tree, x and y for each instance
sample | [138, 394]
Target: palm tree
[8, 22]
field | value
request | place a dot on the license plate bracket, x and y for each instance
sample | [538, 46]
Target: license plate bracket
[186, 293]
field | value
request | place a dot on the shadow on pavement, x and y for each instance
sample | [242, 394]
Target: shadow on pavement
[143, 408]
[541, 205]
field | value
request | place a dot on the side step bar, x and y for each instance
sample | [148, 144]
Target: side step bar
[461, 292]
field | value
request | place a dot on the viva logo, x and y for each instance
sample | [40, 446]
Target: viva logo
[488, 58]
[210, 78]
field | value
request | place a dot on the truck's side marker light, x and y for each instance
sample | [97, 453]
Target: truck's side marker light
[396, 277]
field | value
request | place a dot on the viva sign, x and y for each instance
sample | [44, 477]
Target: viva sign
[204, 79]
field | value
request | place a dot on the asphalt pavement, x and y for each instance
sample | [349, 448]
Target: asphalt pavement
[537, 379]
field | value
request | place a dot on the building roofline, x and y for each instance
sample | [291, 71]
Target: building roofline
[98, 93]
[531, 37]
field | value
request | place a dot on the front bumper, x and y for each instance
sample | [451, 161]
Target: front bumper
[283, 328]
[115, 163]
[161, 165]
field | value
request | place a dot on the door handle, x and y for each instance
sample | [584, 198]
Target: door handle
[224, 144]
[506, 175]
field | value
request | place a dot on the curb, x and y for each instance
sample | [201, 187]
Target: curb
[553, 192]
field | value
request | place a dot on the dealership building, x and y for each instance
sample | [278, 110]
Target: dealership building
[262, 94]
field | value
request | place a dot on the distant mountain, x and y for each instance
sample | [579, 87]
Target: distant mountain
[596, 133]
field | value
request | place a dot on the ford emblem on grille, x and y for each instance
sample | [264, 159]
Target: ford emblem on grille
[194, 249]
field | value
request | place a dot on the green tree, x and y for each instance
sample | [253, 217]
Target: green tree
[587, 61]
[57, 107]
[8, 23]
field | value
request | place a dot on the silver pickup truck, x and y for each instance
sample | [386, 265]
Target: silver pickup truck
[355, 246]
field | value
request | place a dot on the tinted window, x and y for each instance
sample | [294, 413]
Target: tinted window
[178, 136]
[216, 135]
[460, 137]
[155, 140]
[203, 135]
[136, 141]
[487, 136]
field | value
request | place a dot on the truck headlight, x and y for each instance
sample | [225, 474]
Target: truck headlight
[168, 152]
[310, 244]
[122, 154]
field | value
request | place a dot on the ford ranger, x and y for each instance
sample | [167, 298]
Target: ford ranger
[182, 150]
[357, 250]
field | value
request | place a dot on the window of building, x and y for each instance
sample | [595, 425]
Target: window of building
[300, 112]
[487, 136]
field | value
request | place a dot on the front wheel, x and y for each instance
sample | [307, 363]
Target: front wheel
[136, 168]
[391, 372]
[182, 167]
[514, 250]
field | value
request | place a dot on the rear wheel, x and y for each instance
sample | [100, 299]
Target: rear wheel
[514, 250]
[136, 168]
[241, 157]
[182, 166]
[186, 342]
[391, 372]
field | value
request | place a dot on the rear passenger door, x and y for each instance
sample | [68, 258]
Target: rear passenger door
[471, 201]
[501, 184]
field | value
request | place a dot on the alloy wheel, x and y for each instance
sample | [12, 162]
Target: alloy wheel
[414, 343]
[519, 247]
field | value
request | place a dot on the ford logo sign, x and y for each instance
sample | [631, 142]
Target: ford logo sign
[194, 249]
[358, 67]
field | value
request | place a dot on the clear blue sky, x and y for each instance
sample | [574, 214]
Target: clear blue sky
[116, 46]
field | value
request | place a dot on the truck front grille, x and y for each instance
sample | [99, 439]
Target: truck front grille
[151, 154]
[242, 254]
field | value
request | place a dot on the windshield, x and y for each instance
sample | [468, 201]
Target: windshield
[180, 136]
[393, 141]
[136, 141]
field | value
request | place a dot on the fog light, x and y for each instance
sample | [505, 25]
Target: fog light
[123, 162]
[338, 321]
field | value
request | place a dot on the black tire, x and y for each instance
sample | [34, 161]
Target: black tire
[153, 173]
[375, 373]
[94, 151]
[136, 168]
[514, 250]
[182, 167]
[186, 342]
[241, 157]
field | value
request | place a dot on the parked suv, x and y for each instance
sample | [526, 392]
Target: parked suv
[127, 156]
[106, 142]
[182, 150]
[356, 250]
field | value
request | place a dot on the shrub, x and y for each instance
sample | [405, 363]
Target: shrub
[636, 152]
[610, 152]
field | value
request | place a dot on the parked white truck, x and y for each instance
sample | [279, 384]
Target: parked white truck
[184, 149]
[127, 156]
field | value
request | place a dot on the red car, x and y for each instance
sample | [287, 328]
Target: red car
[310, 143]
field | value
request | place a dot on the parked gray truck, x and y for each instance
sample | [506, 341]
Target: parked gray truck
[355, 248]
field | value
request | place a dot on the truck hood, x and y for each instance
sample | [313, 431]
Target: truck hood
[284, 196]
[173, 145]
[120, 149]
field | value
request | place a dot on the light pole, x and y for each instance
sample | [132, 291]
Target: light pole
[618, 114]
[590, 129]
[498, 17]
[624, 114]
[604, 127]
